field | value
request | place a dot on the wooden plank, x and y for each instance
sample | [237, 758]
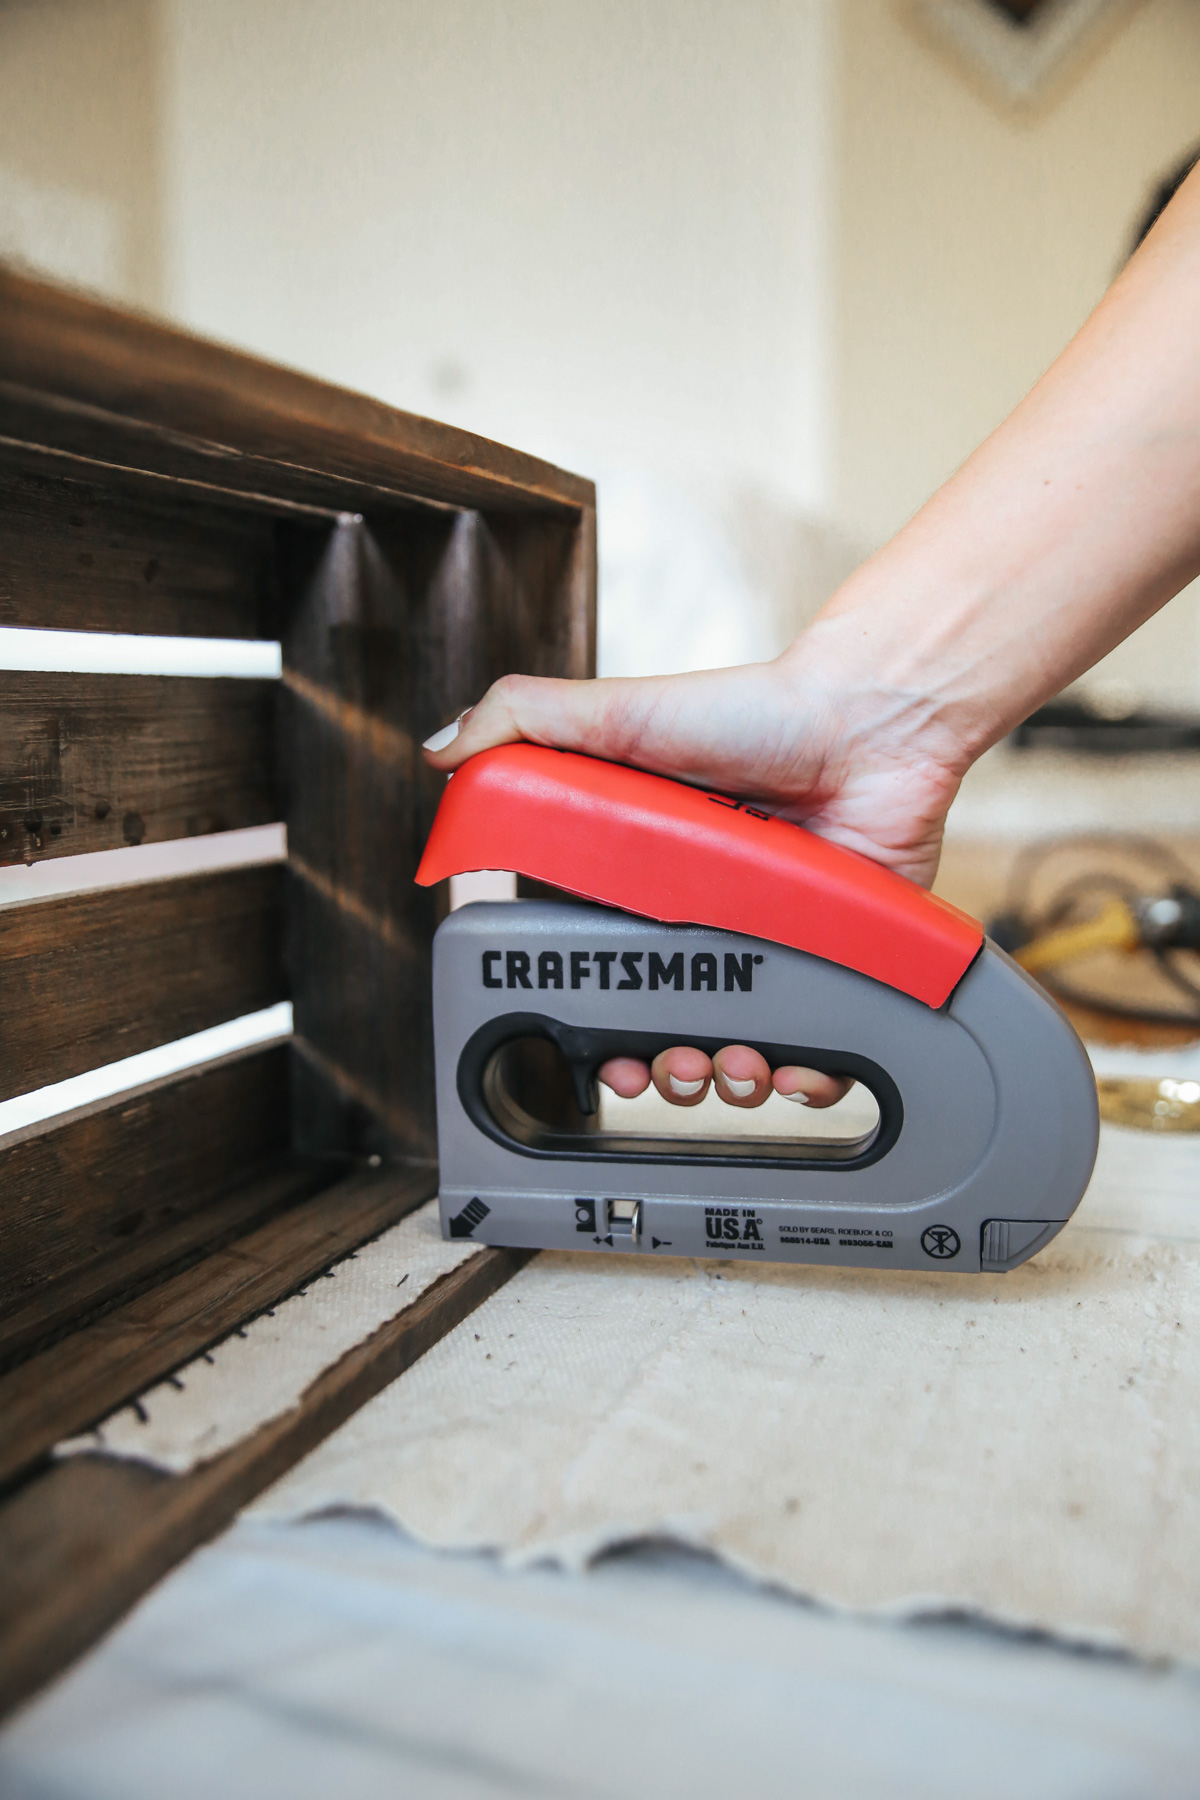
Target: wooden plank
[19, 456]
[393, 627]
[518, 597]
[100, 1367]
[83, 555]
[76, 1299]
[93, 1196]
[94, 977]
[358, 929]
[85, 1541]
[36, 426]
[77, 369]
[92, 762]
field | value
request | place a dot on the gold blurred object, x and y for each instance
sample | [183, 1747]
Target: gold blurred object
[1115, 928]
[1140, 1102]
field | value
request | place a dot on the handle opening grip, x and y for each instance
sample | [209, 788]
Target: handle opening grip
[586, 1048]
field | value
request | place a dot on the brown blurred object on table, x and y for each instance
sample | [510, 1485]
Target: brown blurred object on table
[977, 875]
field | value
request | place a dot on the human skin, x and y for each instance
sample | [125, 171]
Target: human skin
[1068, 527]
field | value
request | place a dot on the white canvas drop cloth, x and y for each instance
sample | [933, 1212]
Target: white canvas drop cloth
[1027, 1445]
[262, 1371]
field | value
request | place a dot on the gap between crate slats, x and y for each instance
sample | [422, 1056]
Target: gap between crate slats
[28, 1114]
[126, 653]
[23, 883]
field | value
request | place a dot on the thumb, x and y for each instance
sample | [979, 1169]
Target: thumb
[600, 717]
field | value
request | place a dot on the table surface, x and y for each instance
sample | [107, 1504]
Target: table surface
[337, 1657]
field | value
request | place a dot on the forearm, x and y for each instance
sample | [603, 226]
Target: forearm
[1071, 525]
[1075, 521]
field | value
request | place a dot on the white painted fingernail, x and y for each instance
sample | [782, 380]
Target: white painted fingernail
[799, 1098]
[740, 1088]
[442, 740]
[684, 1088]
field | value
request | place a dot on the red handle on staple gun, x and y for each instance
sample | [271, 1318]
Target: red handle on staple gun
[667, 851]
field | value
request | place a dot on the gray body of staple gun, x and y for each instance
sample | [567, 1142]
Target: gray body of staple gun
[987, 1118]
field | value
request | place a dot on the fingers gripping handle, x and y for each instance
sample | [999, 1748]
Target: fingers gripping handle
[586, 1048]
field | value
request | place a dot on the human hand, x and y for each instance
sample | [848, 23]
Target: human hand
[806, 737]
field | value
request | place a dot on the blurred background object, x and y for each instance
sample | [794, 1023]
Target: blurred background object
[1109, 923]
[1106, 718]
[1019, 52]
[1144, 1104]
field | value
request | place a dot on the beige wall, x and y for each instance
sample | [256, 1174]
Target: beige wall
[80, 171]
[971, 244]
[592, 227]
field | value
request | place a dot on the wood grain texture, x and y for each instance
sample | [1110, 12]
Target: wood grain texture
[86, 376]
[87, 1539]
[74, 1301]
[100, 1367]
[88, 1196]
[85, 555]
[393, 627]
[357, 941]
[515, 596]
[91, 762]
[99, 976]
[95, 977]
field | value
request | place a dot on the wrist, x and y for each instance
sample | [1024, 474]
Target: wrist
[901, 699]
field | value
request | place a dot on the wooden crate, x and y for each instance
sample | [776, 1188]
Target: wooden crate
[156, 484]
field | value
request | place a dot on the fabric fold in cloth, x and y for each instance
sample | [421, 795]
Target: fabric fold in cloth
[1026, 1446]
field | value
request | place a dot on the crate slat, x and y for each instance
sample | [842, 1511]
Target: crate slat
[83, 1378]
[81, 556]
[96, 977]
[93, 379]
[93, 1202]
[92, 762]
[392, 628]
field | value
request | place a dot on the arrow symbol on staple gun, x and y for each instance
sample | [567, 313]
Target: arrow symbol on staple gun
[661, 1243]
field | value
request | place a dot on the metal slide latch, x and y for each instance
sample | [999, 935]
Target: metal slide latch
[624, 1223]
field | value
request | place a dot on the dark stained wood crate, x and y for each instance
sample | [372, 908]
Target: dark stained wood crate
[151, 483]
